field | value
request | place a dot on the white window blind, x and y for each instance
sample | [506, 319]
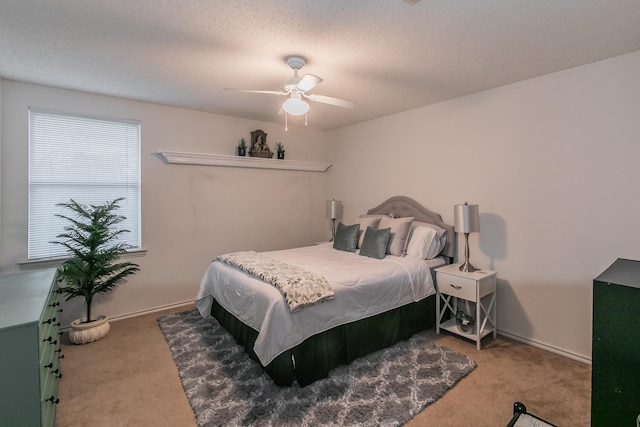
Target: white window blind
[91, 160]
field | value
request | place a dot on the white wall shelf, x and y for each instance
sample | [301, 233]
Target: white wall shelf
[177, 157]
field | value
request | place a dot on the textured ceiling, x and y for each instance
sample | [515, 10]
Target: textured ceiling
[387, 55]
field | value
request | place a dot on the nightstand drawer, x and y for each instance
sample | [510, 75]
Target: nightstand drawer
[459, 287]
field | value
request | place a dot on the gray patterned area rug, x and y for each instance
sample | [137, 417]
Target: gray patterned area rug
[225, 387]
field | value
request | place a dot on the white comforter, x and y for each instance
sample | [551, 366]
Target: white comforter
[363, 286]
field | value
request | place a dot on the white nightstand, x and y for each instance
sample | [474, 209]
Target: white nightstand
[478, 287]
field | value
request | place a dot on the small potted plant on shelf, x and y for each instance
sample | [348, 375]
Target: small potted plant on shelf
[242, 147]
[280, 150]
[94, 267]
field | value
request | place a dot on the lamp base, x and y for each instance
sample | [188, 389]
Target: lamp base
[333, 229]
[467, 267]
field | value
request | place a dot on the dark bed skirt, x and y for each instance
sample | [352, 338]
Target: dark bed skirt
[317, 355]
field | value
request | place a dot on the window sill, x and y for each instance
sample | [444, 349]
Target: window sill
[175, 157]
[56, 261]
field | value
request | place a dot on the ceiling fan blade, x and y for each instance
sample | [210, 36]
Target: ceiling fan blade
[344, 103]
[272, 92]
[308, 82]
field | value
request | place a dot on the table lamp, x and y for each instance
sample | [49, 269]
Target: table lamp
[333, 212]
[466, 220]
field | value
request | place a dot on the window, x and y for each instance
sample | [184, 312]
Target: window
[88, 159]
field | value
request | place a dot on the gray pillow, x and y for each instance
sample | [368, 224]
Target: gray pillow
[375, 242]
[365, 222]
[346, 237]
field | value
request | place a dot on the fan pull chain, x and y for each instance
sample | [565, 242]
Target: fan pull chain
[305, 118]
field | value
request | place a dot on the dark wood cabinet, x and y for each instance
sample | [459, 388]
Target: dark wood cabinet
[615, 356]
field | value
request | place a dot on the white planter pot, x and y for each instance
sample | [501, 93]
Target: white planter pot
[83, 333]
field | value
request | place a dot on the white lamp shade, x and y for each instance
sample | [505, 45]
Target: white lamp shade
[295, 106]
[466, 218]
[333, 208]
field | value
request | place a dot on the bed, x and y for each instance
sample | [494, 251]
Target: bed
[377, 302]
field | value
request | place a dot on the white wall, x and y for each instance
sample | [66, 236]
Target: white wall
[190, 214]
[553, 164]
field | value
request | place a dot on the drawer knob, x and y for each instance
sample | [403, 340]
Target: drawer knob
[456, 287]
[55, 304]
[50, 365]
[53, 400]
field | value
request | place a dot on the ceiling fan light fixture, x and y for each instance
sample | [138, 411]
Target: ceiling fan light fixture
[295, 106]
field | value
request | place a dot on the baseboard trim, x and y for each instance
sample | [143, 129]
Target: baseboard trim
[143, 312]
[552, 349]
[151, 310]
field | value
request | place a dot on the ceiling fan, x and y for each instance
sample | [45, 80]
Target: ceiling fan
[296, 89]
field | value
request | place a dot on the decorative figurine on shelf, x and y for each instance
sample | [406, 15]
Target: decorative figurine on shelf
[242, 147]
[280, 150]
[259, 147]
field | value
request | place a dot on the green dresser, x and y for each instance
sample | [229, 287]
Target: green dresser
[615, 354]
[30, 355]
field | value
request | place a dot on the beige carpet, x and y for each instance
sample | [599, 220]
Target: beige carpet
[129, 379]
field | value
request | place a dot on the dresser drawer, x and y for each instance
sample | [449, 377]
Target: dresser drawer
[50, 314]
[49, 365]
[48, 331]
[48, 403]
[459, 287]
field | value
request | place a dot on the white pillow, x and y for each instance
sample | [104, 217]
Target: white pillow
[423, 243]
[400, 228]
[441, 233]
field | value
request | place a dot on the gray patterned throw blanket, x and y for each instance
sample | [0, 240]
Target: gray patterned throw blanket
[299, 287]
